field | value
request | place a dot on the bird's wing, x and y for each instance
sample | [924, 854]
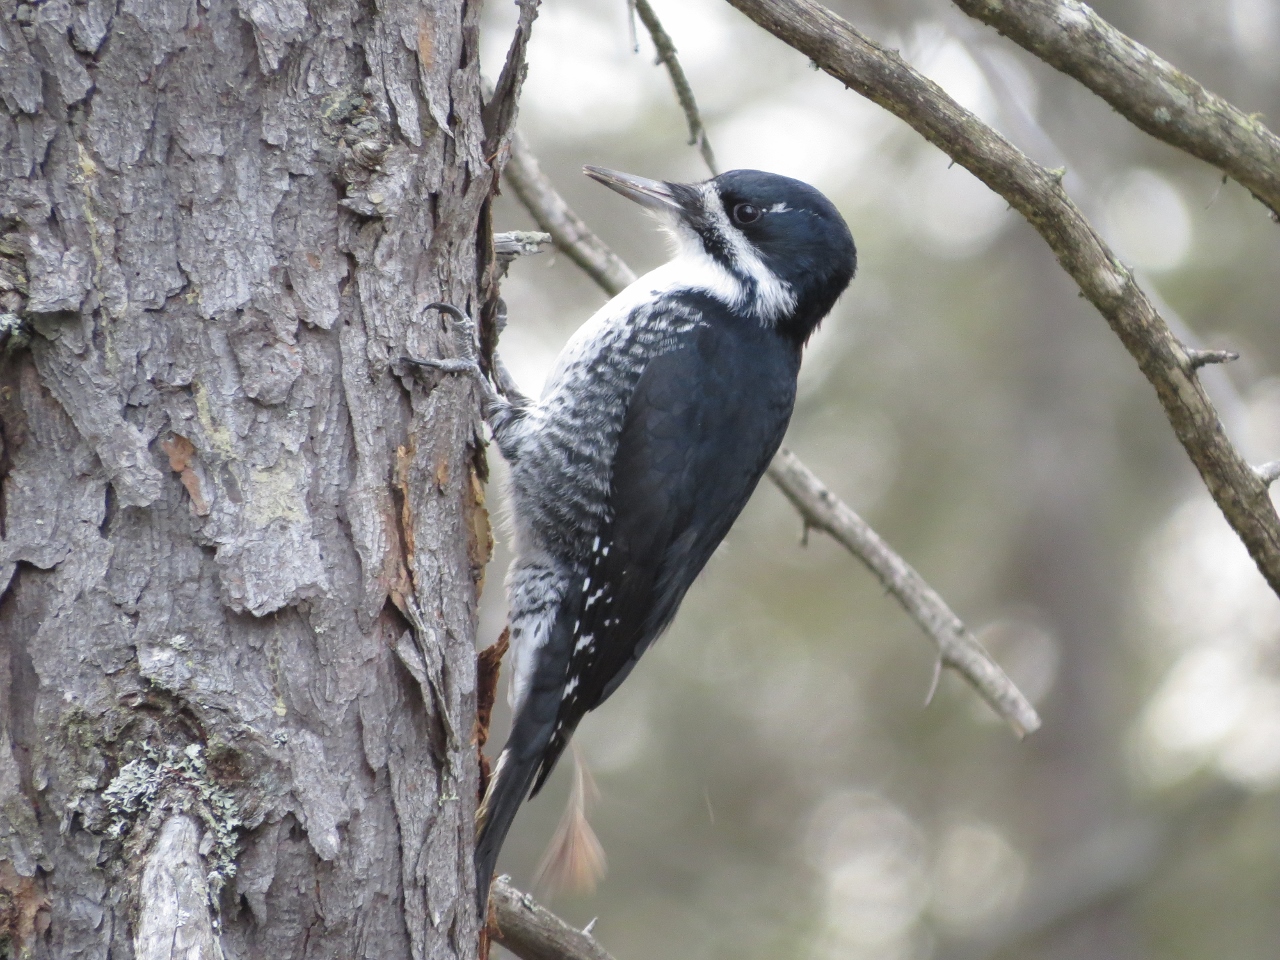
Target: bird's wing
[701, 426]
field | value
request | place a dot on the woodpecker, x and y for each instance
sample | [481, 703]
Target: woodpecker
[654, 428]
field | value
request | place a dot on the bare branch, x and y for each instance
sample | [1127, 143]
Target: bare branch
[509, 245]
[817, 505]
[684, 93]
[1269, 473]
[957, 647]
[883, 76]
[554, 216]
[532, 932]
[1200, 358]
[1149, 92]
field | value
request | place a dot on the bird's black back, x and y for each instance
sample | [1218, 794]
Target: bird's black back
[703, 422]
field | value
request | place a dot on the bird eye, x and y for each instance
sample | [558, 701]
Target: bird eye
[746, 213]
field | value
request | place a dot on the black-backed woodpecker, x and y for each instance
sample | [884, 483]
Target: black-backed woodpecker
[656, 424]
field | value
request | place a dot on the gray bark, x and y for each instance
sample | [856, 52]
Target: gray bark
[225, 496]
[173, 917]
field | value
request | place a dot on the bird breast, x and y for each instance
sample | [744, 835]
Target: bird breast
[563, 470]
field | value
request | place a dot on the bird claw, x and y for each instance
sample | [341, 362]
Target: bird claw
[499, 393]
[465, 332]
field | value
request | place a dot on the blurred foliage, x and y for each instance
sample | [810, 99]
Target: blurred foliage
[772, 785]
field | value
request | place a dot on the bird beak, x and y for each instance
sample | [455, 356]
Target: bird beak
[653, 194]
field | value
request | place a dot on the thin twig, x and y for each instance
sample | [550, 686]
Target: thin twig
[518, 243]
[1199, 358]
[818, 506]
[553, 215]
[532, 932]
[631, 26]
[684, 93]
[1149, 92]
[1269, 472]
[884, 77]
[957, 647]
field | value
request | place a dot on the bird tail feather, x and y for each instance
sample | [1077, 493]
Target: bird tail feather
[509, 785]
[531, 750]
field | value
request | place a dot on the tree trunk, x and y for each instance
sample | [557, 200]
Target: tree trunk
[225, 495]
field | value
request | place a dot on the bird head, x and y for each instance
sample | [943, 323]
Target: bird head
[777, 247]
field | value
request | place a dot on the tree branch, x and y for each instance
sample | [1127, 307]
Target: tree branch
[1269, 472]
[820, 508]
[518, 243]
[884, 77]
[957, 647]
[533, 932]
[684, 93]
[1200, 358]
[567, 229]
[1151, 93]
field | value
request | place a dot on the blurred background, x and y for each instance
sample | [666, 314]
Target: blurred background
[772, 785]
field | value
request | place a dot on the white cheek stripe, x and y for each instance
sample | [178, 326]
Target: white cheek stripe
[773, 297]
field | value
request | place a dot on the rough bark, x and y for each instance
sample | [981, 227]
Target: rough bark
[224, 494]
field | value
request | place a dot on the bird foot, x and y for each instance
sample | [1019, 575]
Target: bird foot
[465, 334]
[498, 392]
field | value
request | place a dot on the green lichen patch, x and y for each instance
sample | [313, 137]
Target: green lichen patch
[177, 778]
